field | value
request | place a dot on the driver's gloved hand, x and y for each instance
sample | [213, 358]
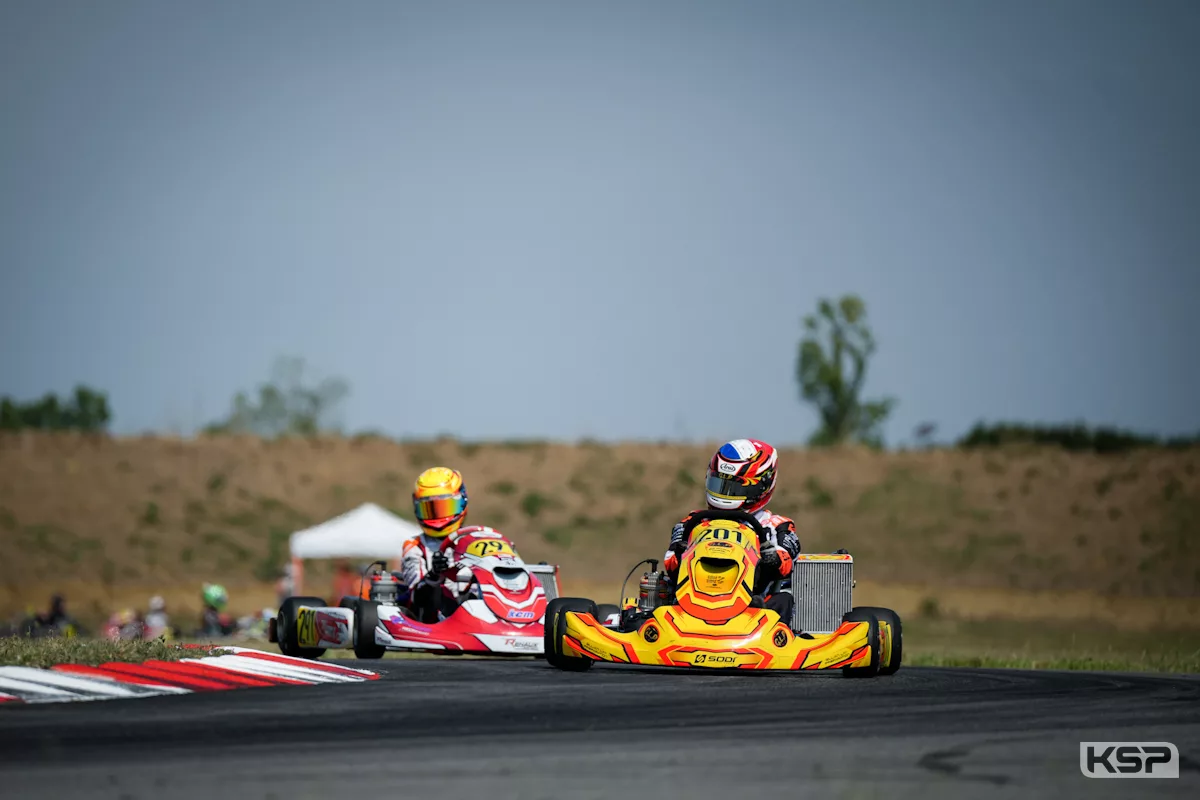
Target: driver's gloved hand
[670, 561]
[769, 555]
[441, 564]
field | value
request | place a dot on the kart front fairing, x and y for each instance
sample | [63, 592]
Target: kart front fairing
[472, 628]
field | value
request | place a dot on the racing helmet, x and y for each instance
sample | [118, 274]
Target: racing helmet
[215, 596]
[440, 501]
[741, 476]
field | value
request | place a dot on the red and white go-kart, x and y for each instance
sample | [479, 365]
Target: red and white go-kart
[501, 608]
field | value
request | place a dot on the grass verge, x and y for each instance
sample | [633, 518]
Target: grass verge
[1020, 645]
[46, 652]
[1145, 662]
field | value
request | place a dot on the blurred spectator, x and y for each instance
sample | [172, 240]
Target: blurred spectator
[57, 615]
[213, 619]
[157, 622]
[55, 622]
[125, 625]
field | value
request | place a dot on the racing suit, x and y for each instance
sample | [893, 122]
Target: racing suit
[779, 548]
[422, 566]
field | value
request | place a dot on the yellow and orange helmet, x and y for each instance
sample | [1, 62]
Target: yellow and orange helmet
[440, 501]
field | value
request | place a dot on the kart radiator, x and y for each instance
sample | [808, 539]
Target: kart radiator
[548, 575]
[822, 586]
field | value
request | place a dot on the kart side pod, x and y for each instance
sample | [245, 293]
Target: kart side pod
[306, 627]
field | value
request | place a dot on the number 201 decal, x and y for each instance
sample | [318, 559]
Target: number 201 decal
[725, 534]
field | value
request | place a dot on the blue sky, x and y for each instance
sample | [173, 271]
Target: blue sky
[569, 219]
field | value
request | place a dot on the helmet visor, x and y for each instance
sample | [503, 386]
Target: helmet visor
[439, 508]
[730, 488]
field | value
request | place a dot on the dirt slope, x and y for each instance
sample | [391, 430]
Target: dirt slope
[122, 514]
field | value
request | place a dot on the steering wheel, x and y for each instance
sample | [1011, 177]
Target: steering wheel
[734, 515]
[452, 573]
[452, 538]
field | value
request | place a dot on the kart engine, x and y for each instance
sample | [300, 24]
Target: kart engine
[653, 591]
[385, 588]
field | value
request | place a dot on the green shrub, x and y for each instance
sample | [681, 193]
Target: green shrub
[1076, 438]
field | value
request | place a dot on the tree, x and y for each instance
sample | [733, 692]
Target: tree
[286, 406]
[84, 410]
[831, 376]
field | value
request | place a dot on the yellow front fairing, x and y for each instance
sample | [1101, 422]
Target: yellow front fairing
[716, 573]
[755, 639]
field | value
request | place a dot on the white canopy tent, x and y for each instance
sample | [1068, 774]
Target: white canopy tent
[365, 532]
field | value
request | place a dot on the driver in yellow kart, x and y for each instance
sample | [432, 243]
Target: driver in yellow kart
[741, 476]
[440, 506]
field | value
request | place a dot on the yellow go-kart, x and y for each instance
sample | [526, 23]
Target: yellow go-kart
[709, 618]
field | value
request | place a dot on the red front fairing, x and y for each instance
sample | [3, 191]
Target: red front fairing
[460, 632]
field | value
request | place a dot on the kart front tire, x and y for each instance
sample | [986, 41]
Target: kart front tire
[891, 621]
[366, 619]
[285, 628]
[605, 610]
[556, 629]
[872, 669]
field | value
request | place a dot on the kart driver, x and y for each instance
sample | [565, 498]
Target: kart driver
[440, 506]
[741, 476]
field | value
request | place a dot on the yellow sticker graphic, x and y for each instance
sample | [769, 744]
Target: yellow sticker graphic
[490, 547]
[306, 628]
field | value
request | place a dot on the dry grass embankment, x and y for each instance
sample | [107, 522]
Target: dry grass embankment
[48, 652]
[1023, 534]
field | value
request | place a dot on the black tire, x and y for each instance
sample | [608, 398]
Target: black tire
[891, 638]
[872, 669]
[366, 618]
[604, 610]
[285, 628]
[556, 628]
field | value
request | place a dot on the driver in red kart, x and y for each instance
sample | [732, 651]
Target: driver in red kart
[741, 476]
[440, 505]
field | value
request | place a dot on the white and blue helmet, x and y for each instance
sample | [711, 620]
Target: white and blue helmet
[741, 476]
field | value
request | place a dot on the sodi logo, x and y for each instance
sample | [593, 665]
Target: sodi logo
[1129, 759]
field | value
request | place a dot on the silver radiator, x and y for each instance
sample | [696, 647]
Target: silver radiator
[822, 586]
[548, 575]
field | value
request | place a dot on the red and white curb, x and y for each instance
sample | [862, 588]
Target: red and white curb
[243, 668]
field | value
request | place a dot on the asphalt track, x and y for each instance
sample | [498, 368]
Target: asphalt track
[521, 729]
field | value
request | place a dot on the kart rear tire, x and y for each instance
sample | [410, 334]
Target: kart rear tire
[366, 618]
[872, 669]
[556, 628]
[285, 628]
[891, 620]
[605, 610]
